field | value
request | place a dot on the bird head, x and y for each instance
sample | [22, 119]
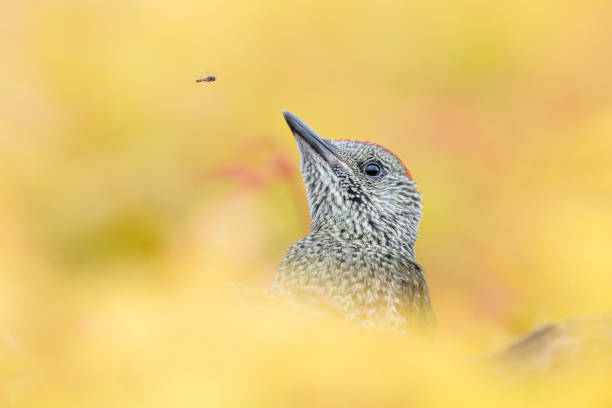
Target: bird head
[357, 190]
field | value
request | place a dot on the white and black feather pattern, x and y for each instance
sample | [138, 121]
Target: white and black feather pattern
[359, 255]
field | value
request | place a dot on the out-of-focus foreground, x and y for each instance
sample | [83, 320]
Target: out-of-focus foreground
[130, 196]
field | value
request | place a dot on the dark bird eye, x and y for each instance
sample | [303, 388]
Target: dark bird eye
[372, 169]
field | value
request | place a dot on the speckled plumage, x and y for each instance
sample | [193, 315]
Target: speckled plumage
[359, 254]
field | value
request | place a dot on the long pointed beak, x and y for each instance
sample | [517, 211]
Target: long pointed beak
[322, 147]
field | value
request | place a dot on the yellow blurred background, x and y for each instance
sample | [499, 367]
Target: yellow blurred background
[130, 196]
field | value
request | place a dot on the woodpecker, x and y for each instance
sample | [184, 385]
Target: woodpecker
[359, 255]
